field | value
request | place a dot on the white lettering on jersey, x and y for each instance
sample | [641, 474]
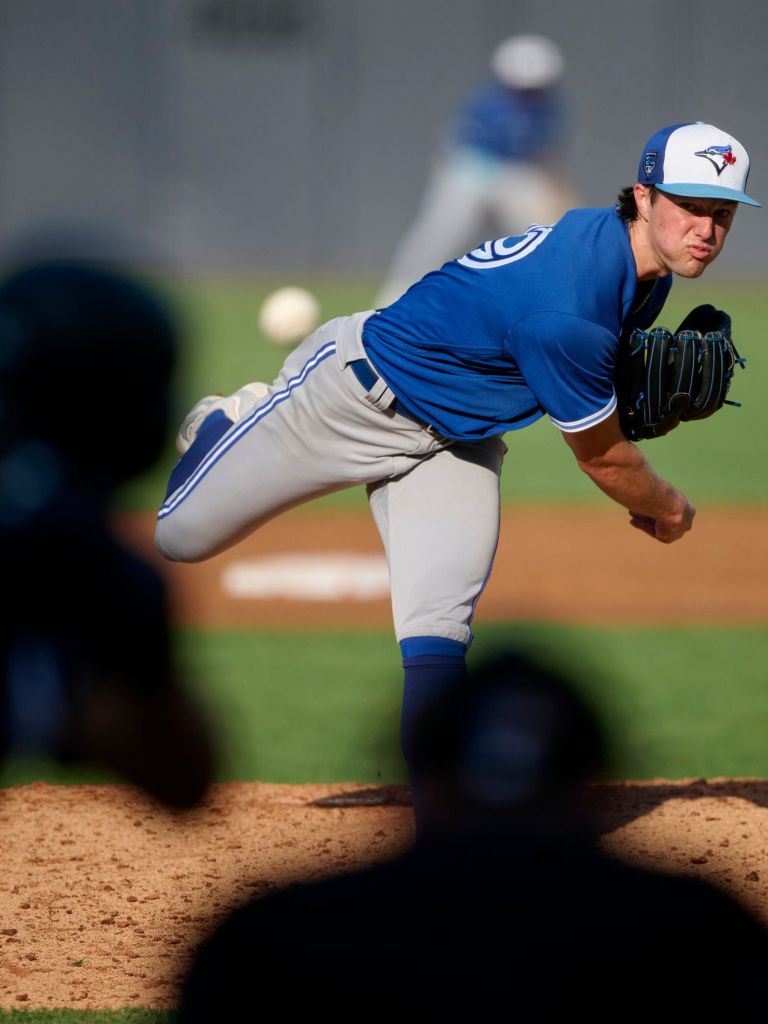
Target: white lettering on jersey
[506, 250]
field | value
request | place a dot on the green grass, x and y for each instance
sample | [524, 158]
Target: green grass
[128, 1016]
[680, 701]
[677, 702]
[323, 706]
[710, 460]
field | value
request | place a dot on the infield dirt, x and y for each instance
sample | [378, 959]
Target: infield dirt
[568, 565]
[104, 897]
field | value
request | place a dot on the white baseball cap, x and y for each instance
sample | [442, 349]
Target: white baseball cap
[527, 62]
[696, 159]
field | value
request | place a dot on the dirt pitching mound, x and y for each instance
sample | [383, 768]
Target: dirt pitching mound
[104, 897]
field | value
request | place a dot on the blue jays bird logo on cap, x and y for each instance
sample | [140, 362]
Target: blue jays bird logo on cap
[719, 156]
[649, 162]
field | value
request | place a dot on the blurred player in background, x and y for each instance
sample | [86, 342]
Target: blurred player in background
[501, 163]
[87, 671]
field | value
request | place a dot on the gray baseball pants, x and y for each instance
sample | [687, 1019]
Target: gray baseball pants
[318, 430]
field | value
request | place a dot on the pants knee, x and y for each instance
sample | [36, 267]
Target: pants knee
[178, 543]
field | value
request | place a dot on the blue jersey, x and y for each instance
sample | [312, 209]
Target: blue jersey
[518, 328]
[508, 124]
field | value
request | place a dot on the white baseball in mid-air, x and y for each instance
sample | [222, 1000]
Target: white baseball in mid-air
[288, 315]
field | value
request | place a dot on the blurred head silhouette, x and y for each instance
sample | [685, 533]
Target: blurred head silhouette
[86, 356]
[514, 742]
[87, 668]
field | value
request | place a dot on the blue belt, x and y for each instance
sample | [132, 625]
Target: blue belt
[364, 372]
[368, 377]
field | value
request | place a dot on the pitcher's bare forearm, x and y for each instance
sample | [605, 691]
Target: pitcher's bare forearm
[620, 469]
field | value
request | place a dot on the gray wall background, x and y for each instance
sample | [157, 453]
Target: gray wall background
[297, 134]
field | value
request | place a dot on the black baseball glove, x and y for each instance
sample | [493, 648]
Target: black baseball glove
[663, 378]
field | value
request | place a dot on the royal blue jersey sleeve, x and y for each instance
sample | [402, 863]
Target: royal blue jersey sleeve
[568, 364]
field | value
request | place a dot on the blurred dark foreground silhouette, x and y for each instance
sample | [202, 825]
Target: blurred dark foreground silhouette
[88, 673]
[504, 908]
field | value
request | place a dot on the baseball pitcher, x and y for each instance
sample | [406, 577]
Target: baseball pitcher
[413, 400]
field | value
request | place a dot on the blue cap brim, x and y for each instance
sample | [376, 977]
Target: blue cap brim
[709, 192]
